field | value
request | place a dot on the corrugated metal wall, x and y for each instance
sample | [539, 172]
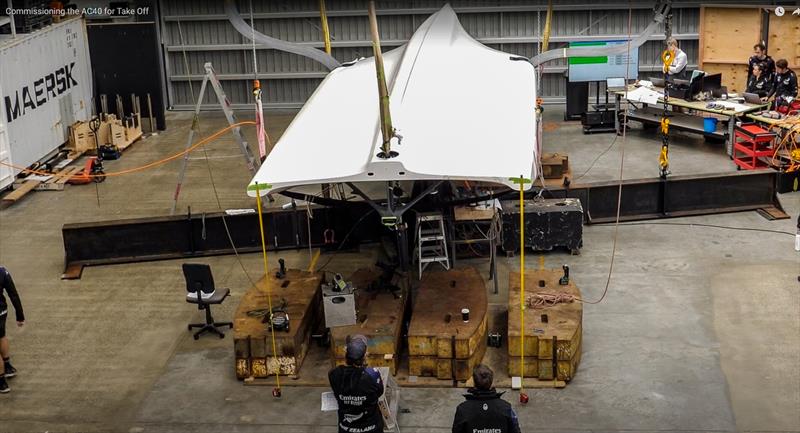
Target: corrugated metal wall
[199, 28]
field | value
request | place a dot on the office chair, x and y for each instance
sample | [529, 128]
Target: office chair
[201, 291]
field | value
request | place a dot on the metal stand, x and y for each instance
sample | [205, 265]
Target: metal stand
[252, 162]
[487, 237]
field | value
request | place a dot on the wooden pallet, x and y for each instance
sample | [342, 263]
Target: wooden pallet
[252, 341]
[59, 180]
[20, 191]
[552, 339]
[440, 343]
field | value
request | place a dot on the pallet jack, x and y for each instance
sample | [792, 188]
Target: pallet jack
[93, 170]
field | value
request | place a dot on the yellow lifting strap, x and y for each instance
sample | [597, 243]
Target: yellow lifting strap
[277, 391]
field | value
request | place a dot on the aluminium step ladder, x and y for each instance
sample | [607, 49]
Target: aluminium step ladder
[252, 162]
[431, 241]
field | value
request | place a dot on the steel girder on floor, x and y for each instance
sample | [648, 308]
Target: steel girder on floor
[678, 196]
[197, 235]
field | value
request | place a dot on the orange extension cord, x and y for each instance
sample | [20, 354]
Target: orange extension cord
[149, 165]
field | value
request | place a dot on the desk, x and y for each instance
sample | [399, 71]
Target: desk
[682, 121]
[781, 123]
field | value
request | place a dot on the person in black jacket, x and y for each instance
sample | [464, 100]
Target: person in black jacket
[760, 56]
[357, 389]
[759, 83]
[484, 411]
[7, 285]
[785, 84]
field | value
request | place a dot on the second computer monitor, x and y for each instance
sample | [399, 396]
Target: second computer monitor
[712, 82]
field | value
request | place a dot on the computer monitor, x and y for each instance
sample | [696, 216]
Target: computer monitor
[712, 82]
[696, 84]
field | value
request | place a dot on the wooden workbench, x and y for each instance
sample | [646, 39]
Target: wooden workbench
[552, 339]
[440, 343]
[781, 123]
[683, 121]
[252, 340]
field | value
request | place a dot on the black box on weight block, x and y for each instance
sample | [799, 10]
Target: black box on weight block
[549, 223]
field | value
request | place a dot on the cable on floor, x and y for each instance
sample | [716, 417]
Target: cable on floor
[621, 172]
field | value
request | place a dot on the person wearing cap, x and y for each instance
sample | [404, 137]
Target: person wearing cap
[357, 389]
[484, 410]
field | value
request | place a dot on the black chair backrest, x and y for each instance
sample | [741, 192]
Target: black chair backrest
[198, 278]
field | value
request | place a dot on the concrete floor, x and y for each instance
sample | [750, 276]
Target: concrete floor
[700, 330]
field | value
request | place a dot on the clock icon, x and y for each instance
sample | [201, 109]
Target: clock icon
[779, 11]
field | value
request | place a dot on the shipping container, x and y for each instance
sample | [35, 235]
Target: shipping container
[45, 86]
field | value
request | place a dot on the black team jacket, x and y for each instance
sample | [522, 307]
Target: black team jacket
[485, 412]
[785, 84]
[7, 285]
[357, 391]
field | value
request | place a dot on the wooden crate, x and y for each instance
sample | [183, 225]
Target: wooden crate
[550, 344]
[252, 340]
[81, 138]
[436, 329]
[554, 165]
[111, 131]
[379, 318]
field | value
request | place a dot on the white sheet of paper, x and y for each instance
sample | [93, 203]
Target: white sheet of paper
[643, 94]
[328, 402]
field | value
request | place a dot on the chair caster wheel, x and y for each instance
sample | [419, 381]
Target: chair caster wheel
[196, 337]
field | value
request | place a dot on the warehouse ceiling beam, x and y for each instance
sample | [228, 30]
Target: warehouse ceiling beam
[430, 10]
[307, 75]
[493, 40]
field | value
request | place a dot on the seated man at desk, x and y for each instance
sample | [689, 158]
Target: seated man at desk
[785, 83]
[678, 67]
[759, 83]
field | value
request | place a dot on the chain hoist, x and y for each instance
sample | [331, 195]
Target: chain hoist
[663, 158]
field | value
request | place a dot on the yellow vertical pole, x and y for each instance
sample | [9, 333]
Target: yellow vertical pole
[521, 181]
[326, 39]
[522, 283]
[326, 35]
[547, 21]
[383, 92]
[266, 281]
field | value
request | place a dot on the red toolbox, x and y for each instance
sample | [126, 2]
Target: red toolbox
[750, 143]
